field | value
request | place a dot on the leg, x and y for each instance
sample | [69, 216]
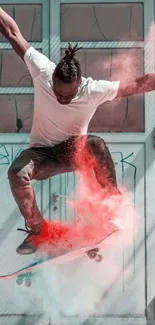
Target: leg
[20, 174]
[36, 163]
[101, 163]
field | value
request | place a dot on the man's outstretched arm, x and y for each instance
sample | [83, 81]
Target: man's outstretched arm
[138, 86]
[11, 32]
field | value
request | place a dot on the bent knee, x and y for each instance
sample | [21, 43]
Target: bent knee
[13, 171]
[22, 167]
[95, 144]
[16, 171]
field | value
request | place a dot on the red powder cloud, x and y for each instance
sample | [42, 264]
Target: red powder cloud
[98, 212]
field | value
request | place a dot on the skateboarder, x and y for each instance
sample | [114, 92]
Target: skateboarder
[64, 103]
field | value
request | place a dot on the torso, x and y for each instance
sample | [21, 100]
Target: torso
[53, 122]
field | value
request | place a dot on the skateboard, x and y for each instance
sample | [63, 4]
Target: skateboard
[25, 275]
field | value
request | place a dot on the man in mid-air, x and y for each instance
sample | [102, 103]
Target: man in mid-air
[64, 103]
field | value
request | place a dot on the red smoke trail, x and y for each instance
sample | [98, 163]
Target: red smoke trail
[99, 212]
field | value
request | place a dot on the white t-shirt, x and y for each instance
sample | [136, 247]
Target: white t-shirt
[53, 122]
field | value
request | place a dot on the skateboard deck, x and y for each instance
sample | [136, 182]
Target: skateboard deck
[25, 274]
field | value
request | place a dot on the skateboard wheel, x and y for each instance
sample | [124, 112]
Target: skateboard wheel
[99, 258]
[27, 276]
[19, 280]
[28, 283]
[28, 279]
[91, 254]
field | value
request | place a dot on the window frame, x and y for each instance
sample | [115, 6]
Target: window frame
[44, 45]
[149, 59]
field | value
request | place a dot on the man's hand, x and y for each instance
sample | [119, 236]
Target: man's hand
[11, 32]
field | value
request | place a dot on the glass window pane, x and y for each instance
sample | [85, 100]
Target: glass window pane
[16, 112]
[13, 70]
[29, 19]
[120, 64]
[102, 22]
[122, 115]
[125, 114]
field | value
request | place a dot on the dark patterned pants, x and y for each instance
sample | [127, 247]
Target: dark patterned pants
[40, 163]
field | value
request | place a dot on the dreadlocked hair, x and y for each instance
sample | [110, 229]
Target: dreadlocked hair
[68, 69]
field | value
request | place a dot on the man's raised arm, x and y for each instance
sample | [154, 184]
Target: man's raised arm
[11, 32]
